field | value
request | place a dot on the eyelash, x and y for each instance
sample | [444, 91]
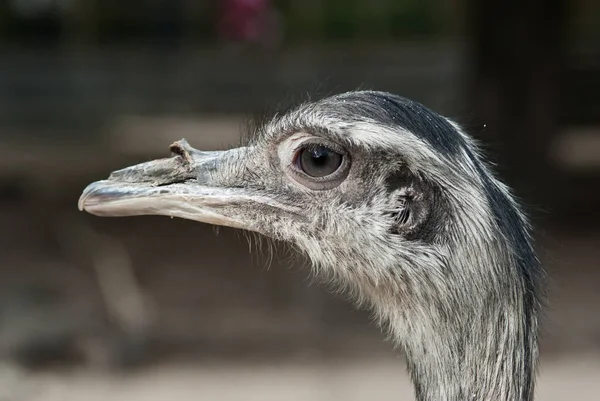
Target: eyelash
[311, 147]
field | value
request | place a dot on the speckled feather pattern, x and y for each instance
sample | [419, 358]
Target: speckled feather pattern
[463, 301]
[412, 225]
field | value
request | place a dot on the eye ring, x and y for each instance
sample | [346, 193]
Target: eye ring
[319, 165]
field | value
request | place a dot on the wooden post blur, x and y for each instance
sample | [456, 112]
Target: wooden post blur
[516, 55]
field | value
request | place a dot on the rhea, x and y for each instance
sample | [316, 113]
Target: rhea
[395, 205]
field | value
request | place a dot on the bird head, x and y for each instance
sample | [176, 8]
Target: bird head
[353, 180]
[360, 182]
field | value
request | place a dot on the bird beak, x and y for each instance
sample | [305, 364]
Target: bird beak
[184, 185]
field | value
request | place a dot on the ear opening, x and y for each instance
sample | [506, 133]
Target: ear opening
[409, 213]
[414, 214]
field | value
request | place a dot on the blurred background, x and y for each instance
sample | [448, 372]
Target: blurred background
[150, 308]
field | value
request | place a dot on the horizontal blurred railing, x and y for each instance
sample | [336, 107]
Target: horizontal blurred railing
[53, 101]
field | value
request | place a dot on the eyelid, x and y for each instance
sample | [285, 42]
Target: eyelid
[314, 142]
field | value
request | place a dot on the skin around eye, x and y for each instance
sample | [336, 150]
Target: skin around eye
[314, 163]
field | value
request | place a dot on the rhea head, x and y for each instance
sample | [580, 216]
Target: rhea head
[391, 202]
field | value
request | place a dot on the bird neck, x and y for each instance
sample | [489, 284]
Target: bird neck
[474, 341]
[490, 359]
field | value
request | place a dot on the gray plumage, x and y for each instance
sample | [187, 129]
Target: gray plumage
[409, 221]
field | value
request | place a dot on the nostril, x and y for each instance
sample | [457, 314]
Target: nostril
[179, 149]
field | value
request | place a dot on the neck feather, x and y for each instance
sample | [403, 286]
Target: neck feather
[469, 327]
[485, 354]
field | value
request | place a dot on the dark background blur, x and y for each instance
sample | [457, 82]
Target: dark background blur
[150, 308]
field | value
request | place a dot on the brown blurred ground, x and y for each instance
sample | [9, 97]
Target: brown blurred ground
[360, 379]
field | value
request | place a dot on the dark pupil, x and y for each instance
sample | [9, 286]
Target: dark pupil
[319, 161]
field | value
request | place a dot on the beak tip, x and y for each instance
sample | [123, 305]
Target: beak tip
[80, 205]
[88, 192]
[81, 201]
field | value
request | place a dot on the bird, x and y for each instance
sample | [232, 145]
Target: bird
[397, 207]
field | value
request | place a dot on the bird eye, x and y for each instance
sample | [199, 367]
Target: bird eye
[315, 163]
[318, 161]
